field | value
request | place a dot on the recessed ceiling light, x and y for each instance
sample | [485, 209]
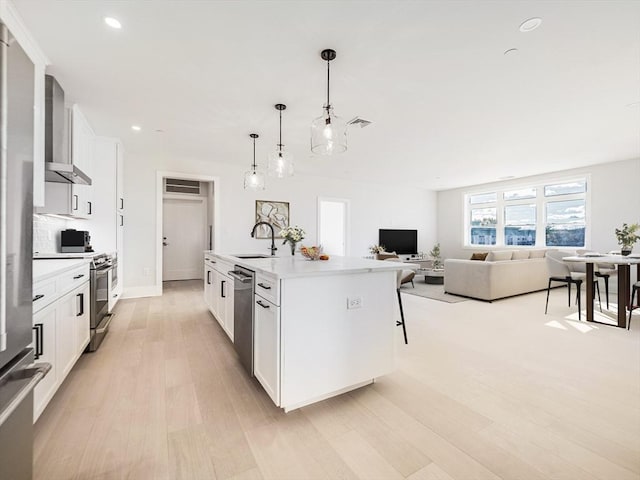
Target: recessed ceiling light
[137, 128]
[511, 51]
[530, 25]
[112, 22]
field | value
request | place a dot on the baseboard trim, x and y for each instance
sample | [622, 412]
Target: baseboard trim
[138, 292]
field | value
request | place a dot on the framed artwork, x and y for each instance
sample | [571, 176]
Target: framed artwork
[275, 213]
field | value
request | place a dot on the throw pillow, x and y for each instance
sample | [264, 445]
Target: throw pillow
[479, 256]
[537, 253]
[520, 255]
[499, 256]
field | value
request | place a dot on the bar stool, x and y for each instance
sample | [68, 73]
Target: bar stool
[636, 288]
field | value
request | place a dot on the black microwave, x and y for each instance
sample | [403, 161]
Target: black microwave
[75, 241]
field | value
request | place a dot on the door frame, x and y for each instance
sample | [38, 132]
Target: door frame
[347, 220]
[213, 216]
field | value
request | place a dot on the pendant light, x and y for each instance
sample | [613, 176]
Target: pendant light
[280, 162]
[328, 132]
[253, 179]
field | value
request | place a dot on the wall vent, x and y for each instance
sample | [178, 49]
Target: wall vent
[177, 185]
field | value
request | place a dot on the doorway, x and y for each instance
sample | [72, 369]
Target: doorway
[333, 225]
[187, 215]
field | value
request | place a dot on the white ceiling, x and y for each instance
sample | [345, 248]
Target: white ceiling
[448, 108]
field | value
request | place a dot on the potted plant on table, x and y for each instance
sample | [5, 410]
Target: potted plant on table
[627, 236]
[435, 255]
[292, 235]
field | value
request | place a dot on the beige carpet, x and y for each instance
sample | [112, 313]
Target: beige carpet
[434, 292]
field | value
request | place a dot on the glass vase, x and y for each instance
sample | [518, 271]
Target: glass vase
[293, 247]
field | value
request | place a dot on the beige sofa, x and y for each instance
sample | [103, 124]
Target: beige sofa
[503, 274]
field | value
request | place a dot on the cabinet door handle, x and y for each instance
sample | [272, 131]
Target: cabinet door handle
[38, 297]
[266, 287]
[38, 350]
[78, 276]
[122, 220]
[259, 302]
[208, 277]
[81, 298]
[222, 289]
[90, 208]
[121, 203]
[75, 200]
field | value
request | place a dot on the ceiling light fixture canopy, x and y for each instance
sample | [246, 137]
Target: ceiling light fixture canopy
[253, 179]
[328, 132]
[280, 163]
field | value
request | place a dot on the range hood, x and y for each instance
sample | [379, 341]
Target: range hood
[57, 166]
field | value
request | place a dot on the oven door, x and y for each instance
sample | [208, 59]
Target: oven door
[99, 295]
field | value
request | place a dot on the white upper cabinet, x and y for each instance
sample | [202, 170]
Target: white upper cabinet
[82, 156]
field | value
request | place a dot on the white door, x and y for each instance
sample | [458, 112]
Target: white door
[333, 218]
[184, 233]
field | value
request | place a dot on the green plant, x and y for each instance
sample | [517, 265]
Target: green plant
[435, 256]
[627, 235]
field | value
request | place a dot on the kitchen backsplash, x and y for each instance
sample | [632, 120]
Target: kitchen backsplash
[46, 233]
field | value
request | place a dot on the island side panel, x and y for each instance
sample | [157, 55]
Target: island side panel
[326, 347]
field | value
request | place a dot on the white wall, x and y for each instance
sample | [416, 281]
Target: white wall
[615, 199]
[372, 207]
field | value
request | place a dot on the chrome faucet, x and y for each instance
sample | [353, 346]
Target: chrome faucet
[273, 235]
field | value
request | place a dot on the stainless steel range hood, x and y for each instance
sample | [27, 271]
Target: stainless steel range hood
[58, 167]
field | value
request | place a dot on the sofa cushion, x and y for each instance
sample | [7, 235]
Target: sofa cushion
[497, 256]
[479, 256]
[520, 255]
[537, 253]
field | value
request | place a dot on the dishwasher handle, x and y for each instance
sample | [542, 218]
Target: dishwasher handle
[240, 277]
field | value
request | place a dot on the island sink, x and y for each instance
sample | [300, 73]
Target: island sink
[250, 255]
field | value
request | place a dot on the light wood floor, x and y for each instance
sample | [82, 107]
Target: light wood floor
[483, 391]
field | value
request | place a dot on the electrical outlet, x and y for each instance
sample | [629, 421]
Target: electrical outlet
[146, 272]
[354, 302]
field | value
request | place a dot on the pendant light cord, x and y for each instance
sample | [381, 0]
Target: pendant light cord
[328, 77]
[254, 155]
[280, 144]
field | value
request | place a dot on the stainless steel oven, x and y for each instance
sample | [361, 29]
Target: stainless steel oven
[101, 268]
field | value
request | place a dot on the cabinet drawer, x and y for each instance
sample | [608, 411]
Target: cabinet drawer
[67, 281]
[268, 287]
[223, 267]
[43, 294]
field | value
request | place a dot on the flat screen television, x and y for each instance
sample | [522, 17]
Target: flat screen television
[404, 242]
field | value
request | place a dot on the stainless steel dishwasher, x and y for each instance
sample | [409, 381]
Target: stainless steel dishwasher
[243, 315]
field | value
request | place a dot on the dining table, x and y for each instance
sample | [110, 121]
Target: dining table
[624, 264]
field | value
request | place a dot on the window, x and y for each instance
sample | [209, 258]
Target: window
[520, 224]
[483, 226]
[552, 214]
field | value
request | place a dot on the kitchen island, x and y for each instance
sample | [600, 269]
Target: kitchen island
[320, 328]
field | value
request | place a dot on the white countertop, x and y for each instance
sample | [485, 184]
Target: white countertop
[298, 266]
[596, 258]
[43, 268]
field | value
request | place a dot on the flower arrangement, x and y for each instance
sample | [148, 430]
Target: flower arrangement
[292, 234]
[627, 236]
[375, 249]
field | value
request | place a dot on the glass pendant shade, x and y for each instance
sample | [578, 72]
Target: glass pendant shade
[254, 180]
[328, 133]
[280, 164]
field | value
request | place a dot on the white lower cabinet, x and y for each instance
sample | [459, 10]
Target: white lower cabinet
[218, 293]
[61, 333]
[266, 346]
[44, 327]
